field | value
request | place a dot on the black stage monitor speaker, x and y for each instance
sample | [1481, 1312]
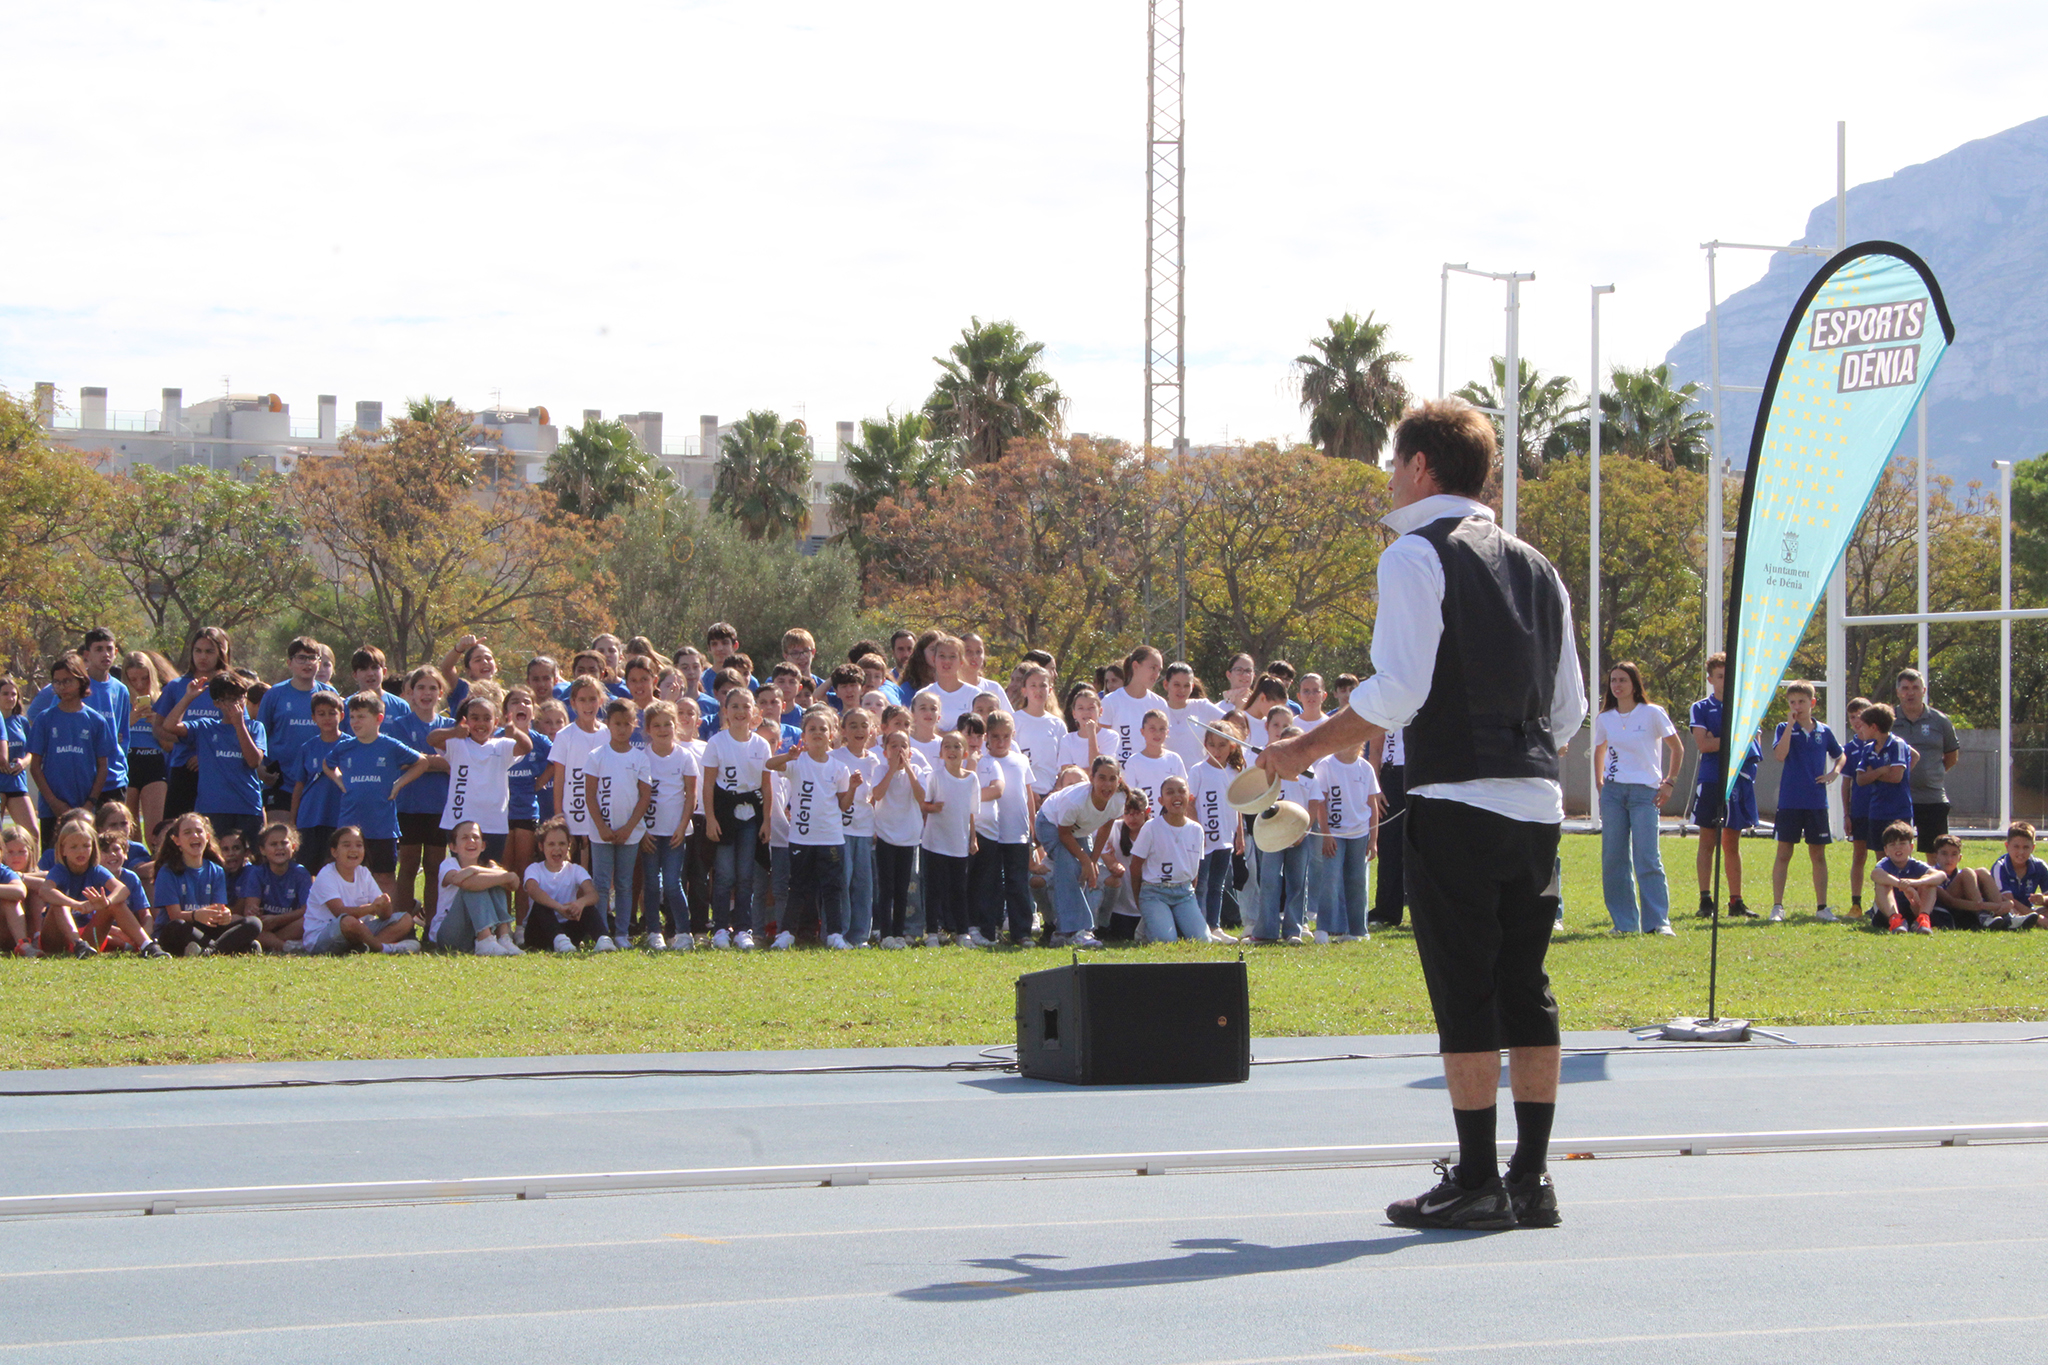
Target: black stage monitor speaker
[1138, 1023]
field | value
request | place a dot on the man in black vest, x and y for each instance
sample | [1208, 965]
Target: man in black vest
[1473, 658]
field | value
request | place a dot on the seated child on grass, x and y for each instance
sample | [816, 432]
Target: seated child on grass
[2021, 877]
[476, 898]
[1904, 888]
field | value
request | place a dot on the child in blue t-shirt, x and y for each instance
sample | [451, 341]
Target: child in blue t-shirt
[195, 899]
[316, 802]
[422, 843]
[280, 886]
[114, 850]
[1856, 803]
[286, 714]
[2022, 879]
[70, 747]
[14, 755]
[1813, 758]
[1903, 888]
[83, 904]
[229, 749]
[371, 769]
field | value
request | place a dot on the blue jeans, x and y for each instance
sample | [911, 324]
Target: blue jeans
[778, 892]
[1283, 887]
[1344, 888]
[1170, 912]
[1073, 905]
[1628, 829]
[732, 876]
[663, 905]
[611, 867]
[1210, 884]
[1319, 878]
[857, 889]
[470, 914]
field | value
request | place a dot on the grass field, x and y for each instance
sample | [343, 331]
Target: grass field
[129, 1012]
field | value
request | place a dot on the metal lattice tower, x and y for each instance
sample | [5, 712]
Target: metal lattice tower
[1165, 222]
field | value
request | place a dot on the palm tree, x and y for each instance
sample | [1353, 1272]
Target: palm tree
[599, 469]
[1644, 417]
[892, 456]
[1350, 391]
[764, 476]
[991, 392]
[1546, 403]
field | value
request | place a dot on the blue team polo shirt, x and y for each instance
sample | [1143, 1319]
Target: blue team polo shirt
[287, 717]
[428, 794]
[110, 697]
[1890, 801]
[276, 893]
[520, 779]
[227, 784]
[2021, 884]
[1806, 758]
[68, 745]
[319, 799]
[367, 773]
[202, 708]
[206, 884]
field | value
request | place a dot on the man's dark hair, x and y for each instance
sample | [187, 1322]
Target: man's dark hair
[1456, 438]
[861, 647]
[95, 636]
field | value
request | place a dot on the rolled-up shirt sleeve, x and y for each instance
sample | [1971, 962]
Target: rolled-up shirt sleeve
[1405, 634]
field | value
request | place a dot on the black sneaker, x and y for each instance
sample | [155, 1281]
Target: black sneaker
[152, 950]
[1450, 1205]
[82, 950]
[1706, 910]
[1737, 910]
[1534, 1198]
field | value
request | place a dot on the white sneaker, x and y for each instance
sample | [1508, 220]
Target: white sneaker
[602, 944]
[838, 941]
[404, 945]
[1777, 914]
[892, 943]
[490, 947]
[1827, 916]
[682, 943]
[1666, 931]
[1322, 937]
[511, 947]
[721, 939]
[1218, 936]
[933, 940]
[744, 940]
[655, 943]
[563, 944]
[785, 939]
[974, 939]
[1085, 941]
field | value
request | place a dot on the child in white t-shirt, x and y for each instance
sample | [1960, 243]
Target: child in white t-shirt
[1164, 860]
[898, 800]
[954, 696]
[574, 745]
[617, 787]
[1001, 871]
[479, 772]
[924, 730]
[1222, 827]
[1039, 728]
[1184, 737]
[821, 791]
[857, 888]
[561, 899]
[952, 799]
[1348, 839]
[1125, 709]
[735, 822]
[672, 774]
[1148, 769]
[346, 911]
[1090, 739]
[475, 913]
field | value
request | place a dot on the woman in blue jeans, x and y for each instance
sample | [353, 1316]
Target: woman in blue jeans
[1636, 755]
[1074, 826]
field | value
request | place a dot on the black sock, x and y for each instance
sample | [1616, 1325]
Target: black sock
[1478, 1156]
[1532, 1138]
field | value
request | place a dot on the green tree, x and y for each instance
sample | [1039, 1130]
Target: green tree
[764, 476]
[52, 512]
[1645, 418]
[893, 456]
[1349, 389]
[673, 569]
[1545, 407]
[599, 469]
[991, 392]
[200, 547]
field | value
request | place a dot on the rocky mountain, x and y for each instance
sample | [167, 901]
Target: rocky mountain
[1979, 217]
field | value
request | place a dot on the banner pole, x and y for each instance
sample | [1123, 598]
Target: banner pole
[1714, 938]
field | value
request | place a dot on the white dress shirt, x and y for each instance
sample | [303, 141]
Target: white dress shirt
[1404, 642]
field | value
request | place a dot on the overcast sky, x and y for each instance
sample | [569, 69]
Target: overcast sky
[711, 207]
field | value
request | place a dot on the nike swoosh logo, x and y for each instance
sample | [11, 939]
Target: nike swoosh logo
[1426, 1207]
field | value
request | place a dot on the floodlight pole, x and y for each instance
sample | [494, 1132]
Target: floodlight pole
[1838, 582]
[2004, 644]
[1511, 375]
[1594, 679]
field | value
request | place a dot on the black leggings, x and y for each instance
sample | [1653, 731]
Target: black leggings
[893, 866]
[238, 935]
[542, 925]
[945, 894]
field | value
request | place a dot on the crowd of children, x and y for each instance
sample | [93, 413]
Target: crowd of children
[672, 802]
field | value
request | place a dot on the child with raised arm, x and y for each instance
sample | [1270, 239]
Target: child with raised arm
[476, 898]
[673, 773]
[561, 900]
[953, 798]
[348, 910]
[617, 788]
[821, 791]
[898, 801]
[1903, 888]
[230, 749]
[735, 760]
[480, 760]
[1813, 758]
[370, 769]
[194, 907]
[283, 887]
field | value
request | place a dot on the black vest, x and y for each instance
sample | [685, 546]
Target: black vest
[1488, 713]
